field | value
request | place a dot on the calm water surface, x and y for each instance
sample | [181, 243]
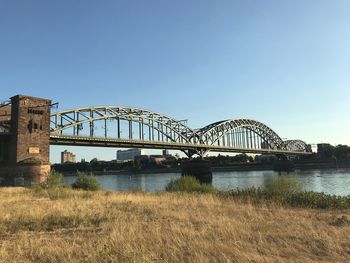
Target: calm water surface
[329, 181]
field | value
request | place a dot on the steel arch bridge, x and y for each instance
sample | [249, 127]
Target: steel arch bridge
[120, 126]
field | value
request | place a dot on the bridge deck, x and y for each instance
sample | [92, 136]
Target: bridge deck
[128, 143]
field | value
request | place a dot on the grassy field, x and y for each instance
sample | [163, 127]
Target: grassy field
[63, 225]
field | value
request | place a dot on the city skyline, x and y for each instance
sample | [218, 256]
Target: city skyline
[284, 64]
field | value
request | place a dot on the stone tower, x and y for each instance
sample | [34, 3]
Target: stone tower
[29, 140]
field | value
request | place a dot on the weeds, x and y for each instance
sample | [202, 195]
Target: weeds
[86, 182]
[189, 184]
[288, 191]
[54, 179]
[282, 185]
[51, 222]
[285, 191]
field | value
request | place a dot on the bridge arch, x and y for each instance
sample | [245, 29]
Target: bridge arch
[158, 126]
[297, 146]
[147, 129]
[241, 133]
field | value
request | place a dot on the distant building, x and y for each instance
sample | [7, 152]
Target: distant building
[67, 157]
[128, 155]
[157, 159]
[309, 147]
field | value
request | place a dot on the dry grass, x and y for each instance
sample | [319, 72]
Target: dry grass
[164, 227]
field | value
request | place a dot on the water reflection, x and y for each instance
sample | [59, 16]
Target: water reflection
[328, 181]
[128, 182]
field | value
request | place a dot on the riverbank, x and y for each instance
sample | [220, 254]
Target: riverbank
[165, 227]
[225, 168]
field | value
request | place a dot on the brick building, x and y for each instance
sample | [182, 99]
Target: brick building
[25, 139]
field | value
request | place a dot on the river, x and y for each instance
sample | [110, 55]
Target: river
[335, 182]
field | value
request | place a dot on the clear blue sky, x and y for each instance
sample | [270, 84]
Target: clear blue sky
[284, 63]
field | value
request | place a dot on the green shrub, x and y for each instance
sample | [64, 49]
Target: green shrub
[189, 184]
[86, 182]
[54, 179]
[283, 185]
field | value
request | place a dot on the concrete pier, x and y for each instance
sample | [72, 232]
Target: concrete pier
[199, 169]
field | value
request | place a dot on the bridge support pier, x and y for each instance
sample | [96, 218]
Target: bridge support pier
[200, 169]
[25, 150]
[282, 164]
[189, 153]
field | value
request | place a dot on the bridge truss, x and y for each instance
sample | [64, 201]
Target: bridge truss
[119, 126]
